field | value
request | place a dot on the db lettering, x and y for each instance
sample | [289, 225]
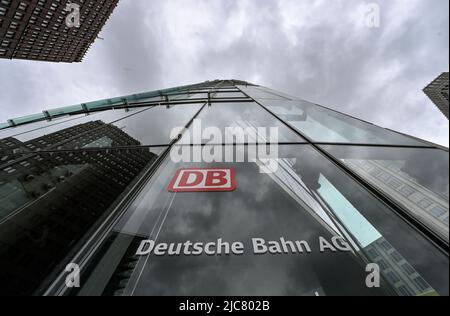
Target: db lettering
[203, 180]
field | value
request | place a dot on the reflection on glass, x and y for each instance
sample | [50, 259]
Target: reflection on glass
[151, 127]
[226, 95]
[322, 125]
[304, 199]
[262, 93]
[154, 126]
[246, 116]
[49, 202]
[94, 134]
[104, 116]
[10, 149]
[13, 131]
[370, 240]
[416, 178]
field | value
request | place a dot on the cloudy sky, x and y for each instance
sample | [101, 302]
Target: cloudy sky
[319, 50]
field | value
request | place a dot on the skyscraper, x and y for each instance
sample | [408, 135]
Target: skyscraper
[237, 188]
[438, 91]
[37, 30]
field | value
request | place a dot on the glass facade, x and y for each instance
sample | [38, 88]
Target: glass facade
[98, 190]
[322, 125]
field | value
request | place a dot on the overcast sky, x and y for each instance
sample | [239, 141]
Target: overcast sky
[321, 51]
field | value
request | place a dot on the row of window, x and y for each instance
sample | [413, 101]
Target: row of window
[92, 19]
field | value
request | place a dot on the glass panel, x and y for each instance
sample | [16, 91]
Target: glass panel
[151, 127]
[139, 126]
[141, 97]
[322, 125]
[99, 104]
[248, 117]
[64, 132]
[13, 131]
[4, 125]
[147, 100]
[65, 110]
[226, 95]
[28, 119]
[416, 178]
[49, 202]
[287, 211]
[198, 95]
[261, 93]
[184, 96]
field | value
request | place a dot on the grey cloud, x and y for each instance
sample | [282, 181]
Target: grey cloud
[317, 50]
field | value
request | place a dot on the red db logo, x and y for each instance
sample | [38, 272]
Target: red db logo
[203, 180]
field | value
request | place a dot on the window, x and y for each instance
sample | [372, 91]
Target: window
[438, 211]
[397, 257]
[324, 125]
[394, 183]
[404, 291]
[393, 277]
[373, 253]
[154, 126]
[408, 269]
[421, 283]
[407, 191]
[28, 133]
[425, 203]
[412, 167]
[383, 265]
[262, 93]
[386, 245]
[247, 116]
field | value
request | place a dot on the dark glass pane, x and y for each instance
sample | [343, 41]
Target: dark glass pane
[248, 116]
[323, 125]
[294, 203]
[416, 178]
[49, 202]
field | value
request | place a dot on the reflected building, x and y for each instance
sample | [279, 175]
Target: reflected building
[88, 183]
[397, 270]
[389, 175]
[49, 201]
[438, 91]
[37, 30]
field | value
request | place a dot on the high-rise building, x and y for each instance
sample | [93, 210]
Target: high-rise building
[219, 188]
[37, 29]
[438, 91]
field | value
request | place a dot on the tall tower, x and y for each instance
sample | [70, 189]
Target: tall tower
[37, 30]
[438, 91]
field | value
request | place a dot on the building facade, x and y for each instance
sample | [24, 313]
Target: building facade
[37, 29]
[159, 194]
[438, 91]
